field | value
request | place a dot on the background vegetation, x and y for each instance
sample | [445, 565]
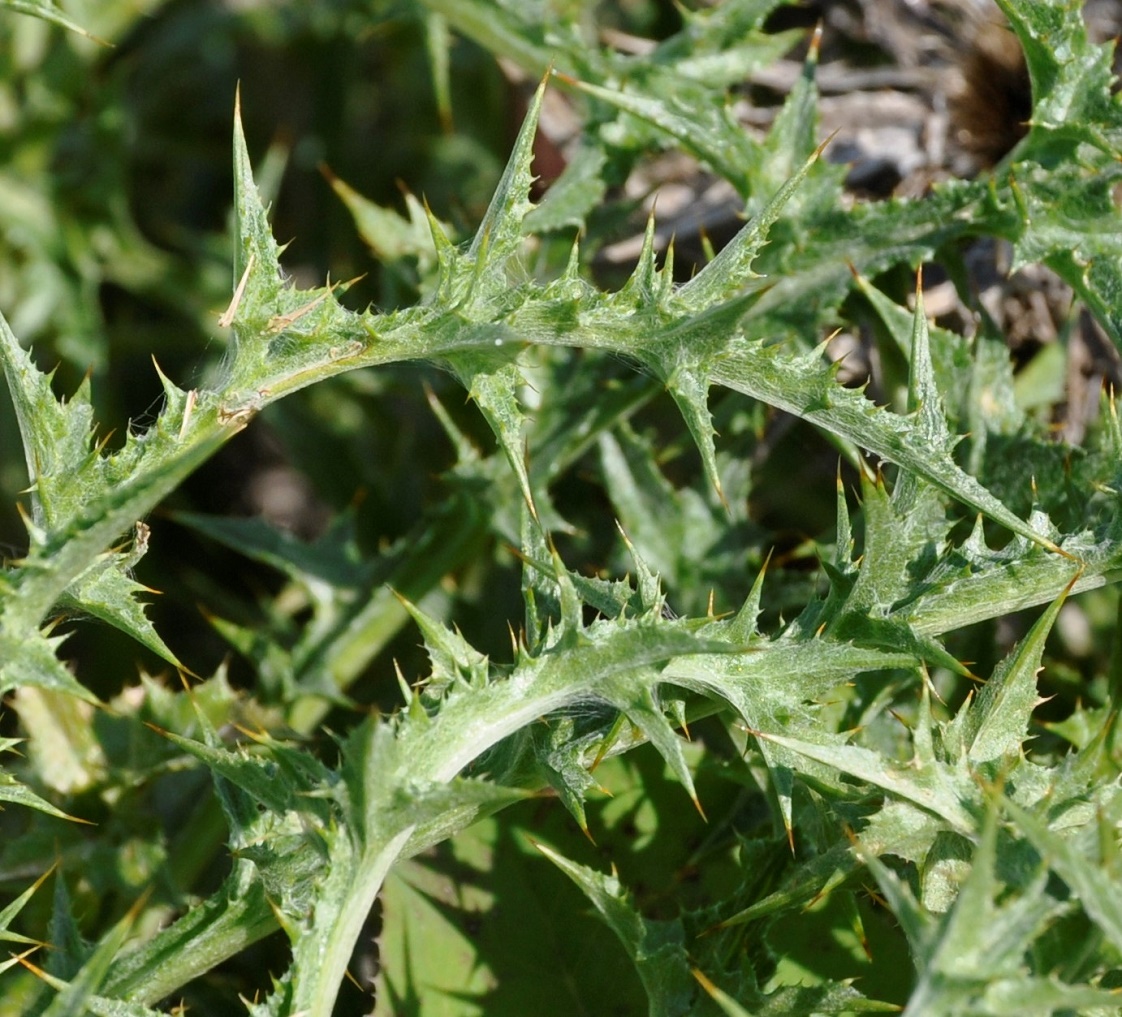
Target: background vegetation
[690, 619]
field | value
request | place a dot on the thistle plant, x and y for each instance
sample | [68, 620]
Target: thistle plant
[878, 766]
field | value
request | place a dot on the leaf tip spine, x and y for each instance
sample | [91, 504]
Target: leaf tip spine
[815, 43]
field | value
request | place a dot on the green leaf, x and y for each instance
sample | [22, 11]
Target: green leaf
[228, 920]
[640, 707]
[574, 194]
[951, 368]
[981, 941]
[392, 237]
[30, 660]
[657, 949]
[82, 500]
[449, 917]
[1074, 859]
[75, 995]
[997, 724]
[1024, 996]
[499, 236]
[12, 910]
[769, 686]
[935, 789]
[102, 1007]
[727, 273]
[1071, 80]
[108, 591]
[48, 11]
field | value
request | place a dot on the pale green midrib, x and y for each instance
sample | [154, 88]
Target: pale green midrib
[316, 997]
[163, 964]
[738, 370]
[39, 591]
[48, 572]
[440, 757]
[1037, 583]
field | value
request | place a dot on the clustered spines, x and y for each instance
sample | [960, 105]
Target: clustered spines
[82, 495]
[58, 434]
[454, 662]
[256, 252]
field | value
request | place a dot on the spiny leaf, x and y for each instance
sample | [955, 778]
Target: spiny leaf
[10, 911]
[14, 791]
[263, 777]
[32, 660]
[934, 789]
[706, 130]
[997, 724]
[691, 393]
[237, 912]
[1074, 860]
[574, 194]
[437, 811]
[256, 253]
[563, 761]
[1069, 221]
[539, 591]
[438, 42]
[70, 950]
[638, 704]
[984, 936]
[100, 1006]
[500, 234]
[793, 136]
[657, 949]
[693, 332]
[1071, 79]
[756, 369]
[90, 499]
[74, 996]
[469, 722]
[769, 685]
[331, 561]
[1024, 996]
[501, 29]
[900, 532]
[57, 435]
[389, 235]
[728, 272]
[404, 244]
[741, 628]
[923, 394]
[649, 586]
[898, 828]
[492, 382]
[108, 592]
[454, 659]
[951, 369]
